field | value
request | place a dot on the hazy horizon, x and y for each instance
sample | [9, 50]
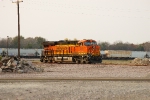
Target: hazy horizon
[101, 20]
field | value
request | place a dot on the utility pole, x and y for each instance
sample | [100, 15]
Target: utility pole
[7, 45]
[18, 1]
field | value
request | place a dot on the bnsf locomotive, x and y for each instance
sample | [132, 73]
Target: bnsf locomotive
[82, 51]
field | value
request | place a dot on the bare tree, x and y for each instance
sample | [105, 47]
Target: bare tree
[146, 46]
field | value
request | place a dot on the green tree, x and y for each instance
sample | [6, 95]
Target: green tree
[104, 45]
[39, 40]
[15, 42]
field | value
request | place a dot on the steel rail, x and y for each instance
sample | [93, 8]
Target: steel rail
[71, 79]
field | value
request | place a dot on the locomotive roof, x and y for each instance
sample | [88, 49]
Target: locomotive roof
[65, 42]
[84, 40]
[60, 42]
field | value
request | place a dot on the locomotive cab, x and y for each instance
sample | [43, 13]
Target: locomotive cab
[90, 47]
[90, 50]
[87, 42]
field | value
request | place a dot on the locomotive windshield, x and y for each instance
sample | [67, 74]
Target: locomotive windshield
[93, 43]
[90, 43]
[87, 43]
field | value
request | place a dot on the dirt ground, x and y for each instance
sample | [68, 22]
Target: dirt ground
[78, 90]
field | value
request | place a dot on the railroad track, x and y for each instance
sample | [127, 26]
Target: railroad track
[70, 79]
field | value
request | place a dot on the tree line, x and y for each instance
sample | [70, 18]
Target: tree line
[36, 42]
[119, 45]
[27, 43]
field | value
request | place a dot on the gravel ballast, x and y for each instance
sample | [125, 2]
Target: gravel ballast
[75, 90]
[79, 90]
[84, 70]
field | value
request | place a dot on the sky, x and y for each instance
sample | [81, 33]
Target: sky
[101, 20]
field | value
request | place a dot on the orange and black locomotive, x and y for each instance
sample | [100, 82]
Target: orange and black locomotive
[76, 51]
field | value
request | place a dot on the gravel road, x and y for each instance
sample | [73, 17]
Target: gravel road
[78, 90]
[84, 70]
[75, 90]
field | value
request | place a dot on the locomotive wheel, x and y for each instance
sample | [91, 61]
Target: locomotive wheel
[59, 62]
[41, 60]
[45, 61]
[77, 61]
[53, 61]
[50, 61]
[86, 62]
[81, 61]
[101, 61]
